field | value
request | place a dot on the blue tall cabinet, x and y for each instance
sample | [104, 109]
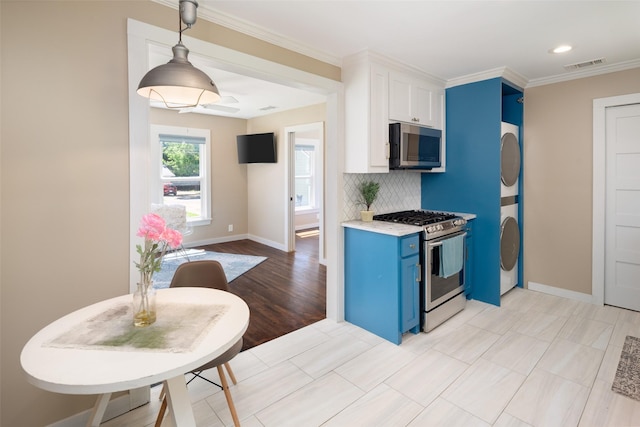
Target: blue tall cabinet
[471, 183]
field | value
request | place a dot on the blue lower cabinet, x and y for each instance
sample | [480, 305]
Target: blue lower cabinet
[468, 262]
[382, 282]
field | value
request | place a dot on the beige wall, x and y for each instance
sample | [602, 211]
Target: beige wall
[558, 138]
[267, 182]
[228, 177]
[306, 220]
[64, 171]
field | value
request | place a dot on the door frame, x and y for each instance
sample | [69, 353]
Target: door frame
[600, 106]
[290, 213]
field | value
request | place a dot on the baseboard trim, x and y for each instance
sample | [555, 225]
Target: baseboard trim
[564, 293]
[267, 242]
[307, 226]
[215, 240]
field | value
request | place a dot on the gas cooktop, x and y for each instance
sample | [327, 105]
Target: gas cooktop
[434, 224]
[415, 217]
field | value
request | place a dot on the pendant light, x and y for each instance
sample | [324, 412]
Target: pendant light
[178, 84]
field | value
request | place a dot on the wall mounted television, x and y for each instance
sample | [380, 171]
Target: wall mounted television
[257, 148]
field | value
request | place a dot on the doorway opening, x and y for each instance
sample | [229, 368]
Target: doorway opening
[305, 185]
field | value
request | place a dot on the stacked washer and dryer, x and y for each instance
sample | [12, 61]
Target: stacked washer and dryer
[509, 227]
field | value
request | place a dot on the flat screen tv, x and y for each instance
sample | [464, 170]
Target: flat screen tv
[257, 148]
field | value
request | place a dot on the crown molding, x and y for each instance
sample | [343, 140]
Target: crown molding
[390, 63]
[215, 16]
[245, 27]
[503, 72]
[595, 71]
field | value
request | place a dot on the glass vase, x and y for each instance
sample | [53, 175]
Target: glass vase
[144, 305]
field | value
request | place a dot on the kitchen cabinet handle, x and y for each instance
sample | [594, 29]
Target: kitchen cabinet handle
[419, 275]
[412, 246]
[388, 154]
[415, 119]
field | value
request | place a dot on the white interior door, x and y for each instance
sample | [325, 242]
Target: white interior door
[622, 211]
[290, 221]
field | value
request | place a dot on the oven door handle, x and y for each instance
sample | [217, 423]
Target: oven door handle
[432, 245]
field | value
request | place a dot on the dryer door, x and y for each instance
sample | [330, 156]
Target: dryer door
[510, 159]
[509, 243]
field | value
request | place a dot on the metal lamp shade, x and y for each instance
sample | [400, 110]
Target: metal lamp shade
[178, 83]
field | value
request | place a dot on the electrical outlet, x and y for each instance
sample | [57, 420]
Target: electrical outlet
[230, 227]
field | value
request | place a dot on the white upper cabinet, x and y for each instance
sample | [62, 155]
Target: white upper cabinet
[413, 100]
[378, 91]
[366, 86]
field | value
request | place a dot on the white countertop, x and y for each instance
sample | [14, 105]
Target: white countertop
[467, 216]
[392, 228]
[382, 227]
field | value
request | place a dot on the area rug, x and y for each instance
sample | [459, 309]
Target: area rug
[627, 379]
[234, 265]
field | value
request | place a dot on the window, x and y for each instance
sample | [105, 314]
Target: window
[180, 170]
[305, 176]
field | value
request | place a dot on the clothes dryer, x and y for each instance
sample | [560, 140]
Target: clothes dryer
[509, 160]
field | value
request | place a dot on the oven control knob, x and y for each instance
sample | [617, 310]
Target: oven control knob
[440, 227]
[430, 229]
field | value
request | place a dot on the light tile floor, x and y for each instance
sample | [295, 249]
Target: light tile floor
[538, 360]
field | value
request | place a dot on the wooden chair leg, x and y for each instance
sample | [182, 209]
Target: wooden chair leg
[230, 372]
[163, 409]
[227, 395]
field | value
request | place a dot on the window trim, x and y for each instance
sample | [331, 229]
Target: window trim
[315, 164]
[155, 193]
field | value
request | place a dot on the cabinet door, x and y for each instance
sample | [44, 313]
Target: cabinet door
[425, 106]
[401, 98]
[414, 101]
[379, 120]
[410, 293]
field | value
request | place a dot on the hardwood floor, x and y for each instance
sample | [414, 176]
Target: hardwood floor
[284, 293]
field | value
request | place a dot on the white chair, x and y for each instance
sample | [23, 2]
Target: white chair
[175, 217]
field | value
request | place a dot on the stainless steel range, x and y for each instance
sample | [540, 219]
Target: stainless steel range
[443, 255]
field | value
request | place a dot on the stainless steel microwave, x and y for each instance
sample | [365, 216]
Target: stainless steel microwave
[414, 147]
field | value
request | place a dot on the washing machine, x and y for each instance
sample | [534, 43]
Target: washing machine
[509, 227]
[509, 247]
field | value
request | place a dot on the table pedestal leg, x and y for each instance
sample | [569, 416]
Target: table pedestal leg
[98, 410]
[179, 403]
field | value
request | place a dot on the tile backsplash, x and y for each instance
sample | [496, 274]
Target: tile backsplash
[399, 190]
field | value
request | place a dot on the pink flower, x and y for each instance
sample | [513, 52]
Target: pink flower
[151, 227]
[172, 237]
[157, 239]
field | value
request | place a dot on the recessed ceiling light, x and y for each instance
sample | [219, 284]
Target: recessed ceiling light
[561, 49]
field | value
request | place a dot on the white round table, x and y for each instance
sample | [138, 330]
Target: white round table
[82, 369]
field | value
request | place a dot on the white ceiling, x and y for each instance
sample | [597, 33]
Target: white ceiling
[242, 97]
[451, 40]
